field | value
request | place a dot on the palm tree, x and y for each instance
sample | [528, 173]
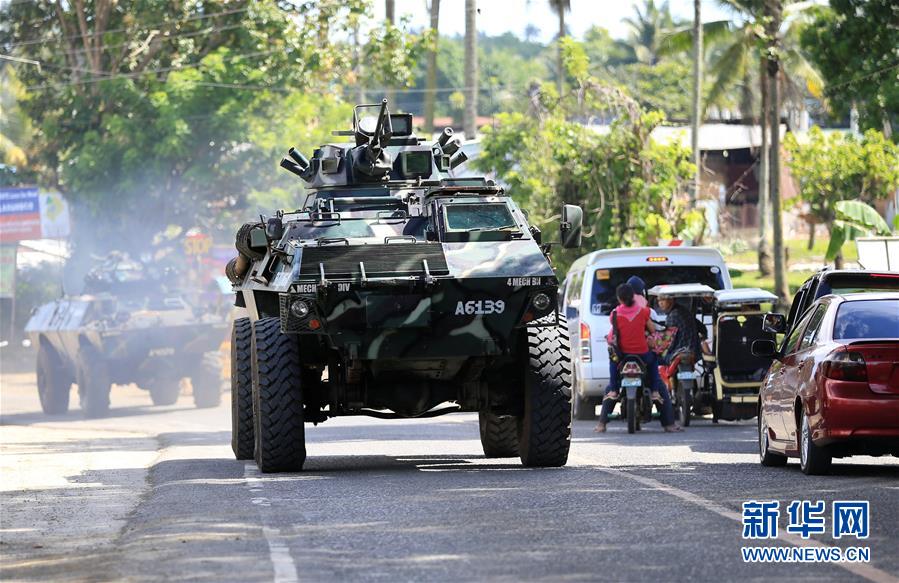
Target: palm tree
[773, 19]
[431, 76]
[470, 117]
[648, 28]
[697, 97]
[560, 7]
[739, 68]
[390, 16]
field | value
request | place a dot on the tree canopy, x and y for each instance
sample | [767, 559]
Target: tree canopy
[853, 43]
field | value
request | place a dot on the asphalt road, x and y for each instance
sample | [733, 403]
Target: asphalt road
[153, 493]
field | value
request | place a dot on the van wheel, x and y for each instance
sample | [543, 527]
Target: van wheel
[582, 409]
[544, 434]
[54, 382]
[499, 434]
[813, 460]
[684, 405]
[92, 376]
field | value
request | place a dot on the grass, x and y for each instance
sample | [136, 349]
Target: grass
[754, 279]
[797, 252]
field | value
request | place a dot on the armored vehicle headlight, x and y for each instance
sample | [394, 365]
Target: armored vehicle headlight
[541, 301]
[299, 308]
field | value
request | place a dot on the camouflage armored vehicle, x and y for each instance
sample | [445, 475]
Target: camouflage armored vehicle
[128, 326]
[398, 291]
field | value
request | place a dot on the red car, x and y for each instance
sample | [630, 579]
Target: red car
[833, 389]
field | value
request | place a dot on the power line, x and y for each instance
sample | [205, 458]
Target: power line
[125, 29]
[114, 77]
[862, 77]
[166, 37]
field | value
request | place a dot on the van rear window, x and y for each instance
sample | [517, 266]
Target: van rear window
[603, 300]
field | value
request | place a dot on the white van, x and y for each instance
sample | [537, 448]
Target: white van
[588, 297]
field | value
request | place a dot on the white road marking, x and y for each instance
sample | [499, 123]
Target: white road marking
[278, 551]
[861, 569]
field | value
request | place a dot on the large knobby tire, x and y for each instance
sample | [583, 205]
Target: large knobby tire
[544, 434]
[814, 460]
[207, 383]
[277, 399]
[54, 382]
[92, 376]
[242, 439]
[499, 434]
[242, 242]
[766, 456]
[164, 392]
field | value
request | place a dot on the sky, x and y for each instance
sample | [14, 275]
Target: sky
[499, 16]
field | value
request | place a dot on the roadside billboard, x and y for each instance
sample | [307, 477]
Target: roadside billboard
[29, 213]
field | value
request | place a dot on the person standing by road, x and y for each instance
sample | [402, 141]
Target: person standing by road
[631, 324]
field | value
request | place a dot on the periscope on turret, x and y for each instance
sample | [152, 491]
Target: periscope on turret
[397, 290]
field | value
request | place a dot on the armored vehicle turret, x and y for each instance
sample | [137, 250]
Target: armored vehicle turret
[397, 290]
[131, 324]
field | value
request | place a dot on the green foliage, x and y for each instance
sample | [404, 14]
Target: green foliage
[633, 190]
[853, 43]
[853, 219]
[605, 51]
[391, 55]
[840, 167]
[172, 113]
[666, 86]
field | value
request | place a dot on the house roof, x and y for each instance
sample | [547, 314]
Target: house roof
[712, 136]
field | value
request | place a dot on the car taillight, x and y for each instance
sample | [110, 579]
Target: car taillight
[586, 355]
[845, 366]
[631, 368]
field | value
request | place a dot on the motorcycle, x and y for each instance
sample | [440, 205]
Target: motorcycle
[634, 392]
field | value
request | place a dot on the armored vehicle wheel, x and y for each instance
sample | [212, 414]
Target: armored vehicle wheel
[277, 399]
[242, 242]
[499, 434]
[92, 376]
[206, 382]
[53, 382]
[165, 392]
[545, 429]
[242, 439]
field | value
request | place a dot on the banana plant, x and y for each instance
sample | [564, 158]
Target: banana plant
[855, 219]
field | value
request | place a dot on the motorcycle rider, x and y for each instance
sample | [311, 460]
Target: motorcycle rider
[631, 324]
[690, 332]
